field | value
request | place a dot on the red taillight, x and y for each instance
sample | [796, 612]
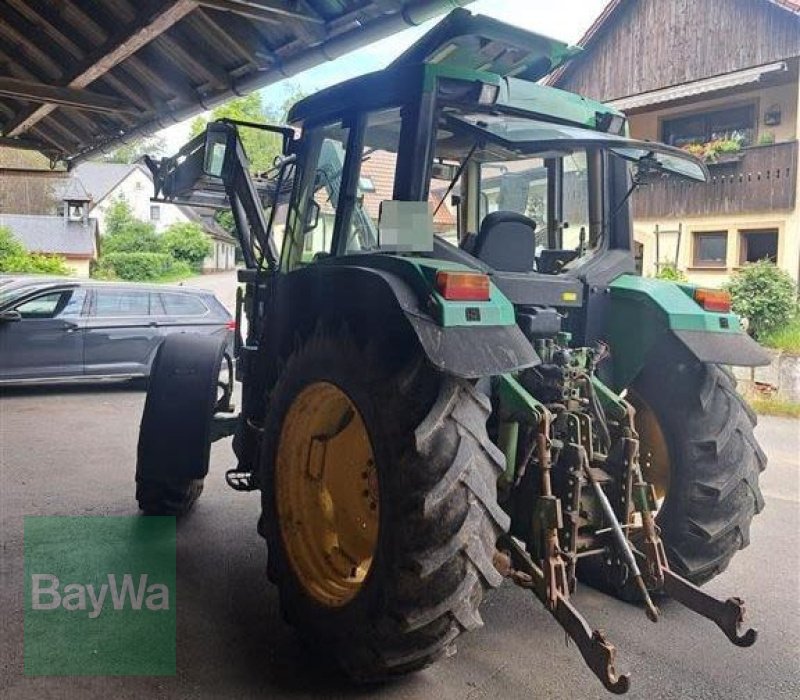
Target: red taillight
[462, 286]
[713, 300]
[231, 325]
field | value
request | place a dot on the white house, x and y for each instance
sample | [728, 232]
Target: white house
[109, 182]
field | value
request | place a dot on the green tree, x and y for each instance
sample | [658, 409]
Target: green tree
[261, 146]
[224, 218]
[187, 242]
[765, 295]
[14, 258]
[124, 233]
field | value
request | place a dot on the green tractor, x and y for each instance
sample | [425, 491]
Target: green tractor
[426, 412]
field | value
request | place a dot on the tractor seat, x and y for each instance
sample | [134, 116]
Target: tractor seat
[506, 242]
[467, 243]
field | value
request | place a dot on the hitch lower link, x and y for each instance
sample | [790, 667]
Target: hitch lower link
[648, 566]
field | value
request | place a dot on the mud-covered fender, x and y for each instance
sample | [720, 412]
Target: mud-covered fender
[377, 303]
[645, 313]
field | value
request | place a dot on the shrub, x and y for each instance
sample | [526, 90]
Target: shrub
[135, 267]
[14, 258]
[671, 273]
[137, 237]
[765, 295]
[187, 242]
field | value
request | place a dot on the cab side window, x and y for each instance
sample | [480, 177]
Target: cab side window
[312, 219]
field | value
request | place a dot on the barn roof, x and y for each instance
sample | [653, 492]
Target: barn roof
[81, 75]
[52, 234]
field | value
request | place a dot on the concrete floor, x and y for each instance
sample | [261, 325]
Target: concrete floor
[71, 451]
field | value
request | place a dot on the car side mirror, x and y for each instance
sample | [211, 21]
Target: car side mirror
[10, 316]
[312, 216]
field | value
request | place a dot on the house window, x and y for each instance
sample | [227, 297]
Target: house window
[736, 123]
[155, 213]
[758, 244]
[710, 248]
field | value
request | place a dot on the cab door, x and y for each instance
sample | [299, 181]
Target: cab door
[46, 340]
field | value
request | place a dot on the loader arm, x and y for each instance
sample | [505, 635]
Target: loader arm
[213, 170]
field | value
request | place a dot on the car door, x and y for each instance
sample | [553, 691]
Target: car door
[47, 338]
[121, 336]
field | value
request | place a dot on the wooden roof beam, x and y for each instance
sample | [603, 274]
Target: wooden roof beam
[27, 144]
[68, 97]
[117, 50]
[261, 10]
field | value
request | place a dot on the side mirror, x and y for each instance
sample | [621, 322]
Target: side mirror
[10, 316]
[215, 148]
[312, 216]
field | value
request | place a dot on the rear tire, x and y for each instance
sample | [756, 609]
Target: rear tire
[438, 514]
[714, 465]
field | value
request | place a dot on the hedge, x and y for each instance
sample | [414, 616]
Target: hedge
[141, 266]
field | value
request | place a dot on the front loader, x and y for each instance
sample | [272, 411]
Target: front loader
[427, 413]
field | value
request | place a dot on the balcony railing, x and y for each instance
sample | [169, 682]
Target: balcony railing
[764, 178]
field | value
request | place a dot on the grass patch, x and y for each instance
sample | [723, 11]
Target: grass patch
[786, 338]
[775, 407]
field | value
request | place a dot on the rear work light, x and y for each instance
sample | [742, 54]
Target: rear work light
[462, 286]
[713, 300]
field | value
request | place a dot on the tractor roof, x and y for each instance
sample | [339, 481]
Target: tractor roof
[468, 47]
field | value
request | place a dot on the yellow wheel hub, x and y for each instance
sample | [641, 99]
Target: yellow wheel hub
[653, 451]
[326, 489]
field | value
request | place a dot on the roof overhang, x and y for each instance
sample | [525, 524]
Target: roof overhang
[82, 76]
[718, 83]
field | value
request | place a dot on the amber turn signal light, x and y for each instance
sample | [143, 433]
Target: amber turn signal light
[713, 300]
[462, 286]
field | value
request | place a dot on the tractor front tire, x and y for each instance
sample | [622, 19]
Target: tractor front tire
[413, 444]
[714, 462]
[167, 496]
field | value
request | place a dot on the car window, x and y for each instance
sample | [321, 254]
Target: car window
[65, 302]
[183, 305]
[119, 302]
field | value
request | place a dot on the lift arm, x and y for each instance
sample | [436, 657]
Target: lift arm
[212, 170]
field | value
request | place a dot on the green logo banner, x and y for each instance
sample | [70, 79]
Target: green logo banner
[99, 596]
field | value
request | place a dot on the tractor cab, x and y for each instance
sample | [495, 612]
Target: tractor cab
[531, 178]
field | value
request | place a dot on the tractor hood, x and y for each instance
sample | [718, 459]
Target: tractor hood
[474, 42]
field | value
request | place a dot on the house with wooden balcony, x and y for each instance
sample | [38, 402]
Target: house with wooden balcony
[719, 79]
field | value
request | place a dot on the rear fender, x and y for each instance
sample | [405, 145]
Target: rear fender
[381, 307]
[647, 313]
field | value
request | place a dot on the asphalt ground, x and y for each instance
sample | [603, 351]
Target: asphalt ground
[71, 451]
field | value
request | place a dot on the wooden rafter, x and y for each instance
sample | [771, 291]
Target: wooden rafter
[68, 97]
[261, 10]
[121, 48]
